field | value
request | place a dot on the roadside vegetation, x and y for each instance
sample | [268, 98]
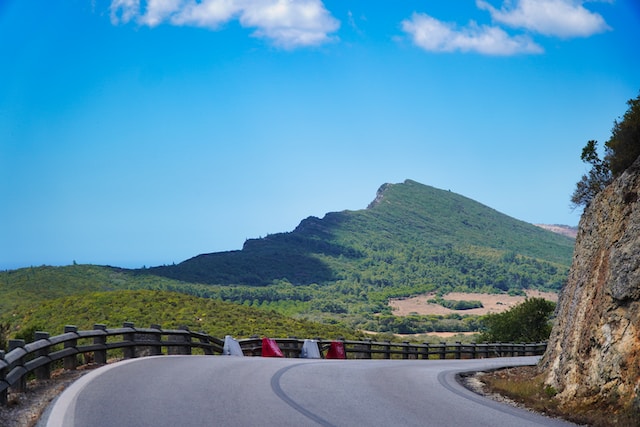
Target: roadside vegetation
[525, 386]
[168, 309]
[529, 321]
[620, 151]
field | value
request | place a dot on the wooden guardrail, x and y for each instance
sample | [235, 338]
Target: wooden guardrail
[73, 347]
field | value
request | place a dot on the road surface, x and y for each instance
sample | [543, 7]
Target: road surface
[229, 391]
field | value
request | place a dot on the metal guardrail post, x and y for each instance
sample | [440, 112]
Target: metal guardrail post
[387, 349]
[187, 340]
[129, 352]
[44, 371]
[156, 348]
[366, 347]
[181, 338]
[71, 361]
[458, 350]
[498, 349]
[21, 385]
[425, 350]
[204, 339]
[100, 356]
[145, 342]
[405, 350]
[484, 350]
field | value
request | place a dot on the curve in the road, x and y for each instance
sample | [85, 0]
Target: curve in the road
[235, 391]
[277, 389]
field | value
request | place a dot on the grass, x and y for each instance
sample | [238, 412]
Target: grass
[525, 386]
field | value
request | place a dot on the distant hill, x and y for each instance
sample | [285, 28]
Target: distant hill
[340, 270]
[410, 234]
[407, 225]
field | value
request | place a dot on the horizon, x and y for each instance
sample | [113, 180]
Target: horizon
[74, 262]
[141, 133]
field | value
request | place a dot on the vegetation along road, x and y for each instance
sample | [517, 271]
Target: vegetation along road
[236, 391]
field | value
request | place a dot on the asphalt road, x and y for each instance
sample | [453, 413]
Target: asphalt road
[185, 391]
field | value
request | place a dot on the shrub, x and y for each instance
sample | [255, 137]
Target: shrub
[457, 304]
[528, 321]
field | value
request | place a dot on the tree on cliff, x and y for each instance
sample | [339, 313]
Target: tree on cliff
[598, 177]
[624, 145]
[621, 150]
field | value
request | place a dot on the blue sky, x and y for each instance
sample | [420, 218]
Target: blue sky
[145, 132]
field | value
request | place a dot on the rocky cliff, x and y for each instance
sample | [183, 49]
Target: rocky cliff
[593, 357]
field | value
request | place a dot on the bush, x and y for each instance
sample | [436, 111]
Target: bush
[28, 334]
[456, 304]
[525, 322]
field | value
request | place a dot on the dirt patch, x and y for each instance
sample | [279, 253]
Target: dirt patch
[492, 303]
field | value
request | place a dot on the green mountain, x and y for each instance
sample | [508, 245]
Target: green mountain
[411, 236]
[339, 270]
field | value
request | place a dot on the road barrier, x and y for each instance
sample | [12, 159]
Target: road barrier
[73, 348]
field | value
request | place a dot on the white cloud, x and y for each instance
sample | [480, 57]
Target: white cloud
[437, 36]
[207, 13]
[560, 18]
[123, 11]
[159, 10]
[290, 23]
[287, 23]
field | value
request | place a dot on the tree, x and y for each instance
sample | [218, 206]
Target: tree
[621, 150]
[528, 321]
[624, 144]
[598, 177]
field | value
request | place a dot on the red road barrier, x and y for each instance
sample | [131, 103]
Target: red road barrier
[336, 350]
[270, 348]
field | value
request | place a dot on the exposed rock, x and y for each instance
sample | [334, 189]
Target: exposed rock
[379, 195]
[593, 357]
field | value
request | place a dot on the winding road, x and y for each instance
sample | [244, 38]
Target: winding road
[187, 391]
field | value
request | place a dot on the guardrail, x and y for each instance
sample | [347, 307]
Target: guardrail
[75, 347]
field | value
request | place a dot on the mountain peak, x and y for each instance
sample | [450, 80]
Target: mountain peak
[379, 195]
[409, 217]
[387, 187]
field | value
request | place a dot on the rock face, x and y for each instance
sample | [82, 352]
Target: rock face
[593, 357]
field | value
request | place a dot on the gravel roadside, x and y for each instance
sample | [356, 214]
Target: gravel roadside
[25, 409]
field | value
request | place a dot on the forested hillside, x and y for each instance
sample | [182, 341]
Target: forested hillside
[412, 235]
[342, 269]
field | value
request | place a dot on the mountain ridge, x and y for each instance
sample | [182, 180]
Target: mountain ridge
[344, 268]
[408, 214]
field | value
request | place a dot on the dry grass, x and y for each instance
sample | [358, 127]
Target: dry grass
[525, 386]
[492, 303]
